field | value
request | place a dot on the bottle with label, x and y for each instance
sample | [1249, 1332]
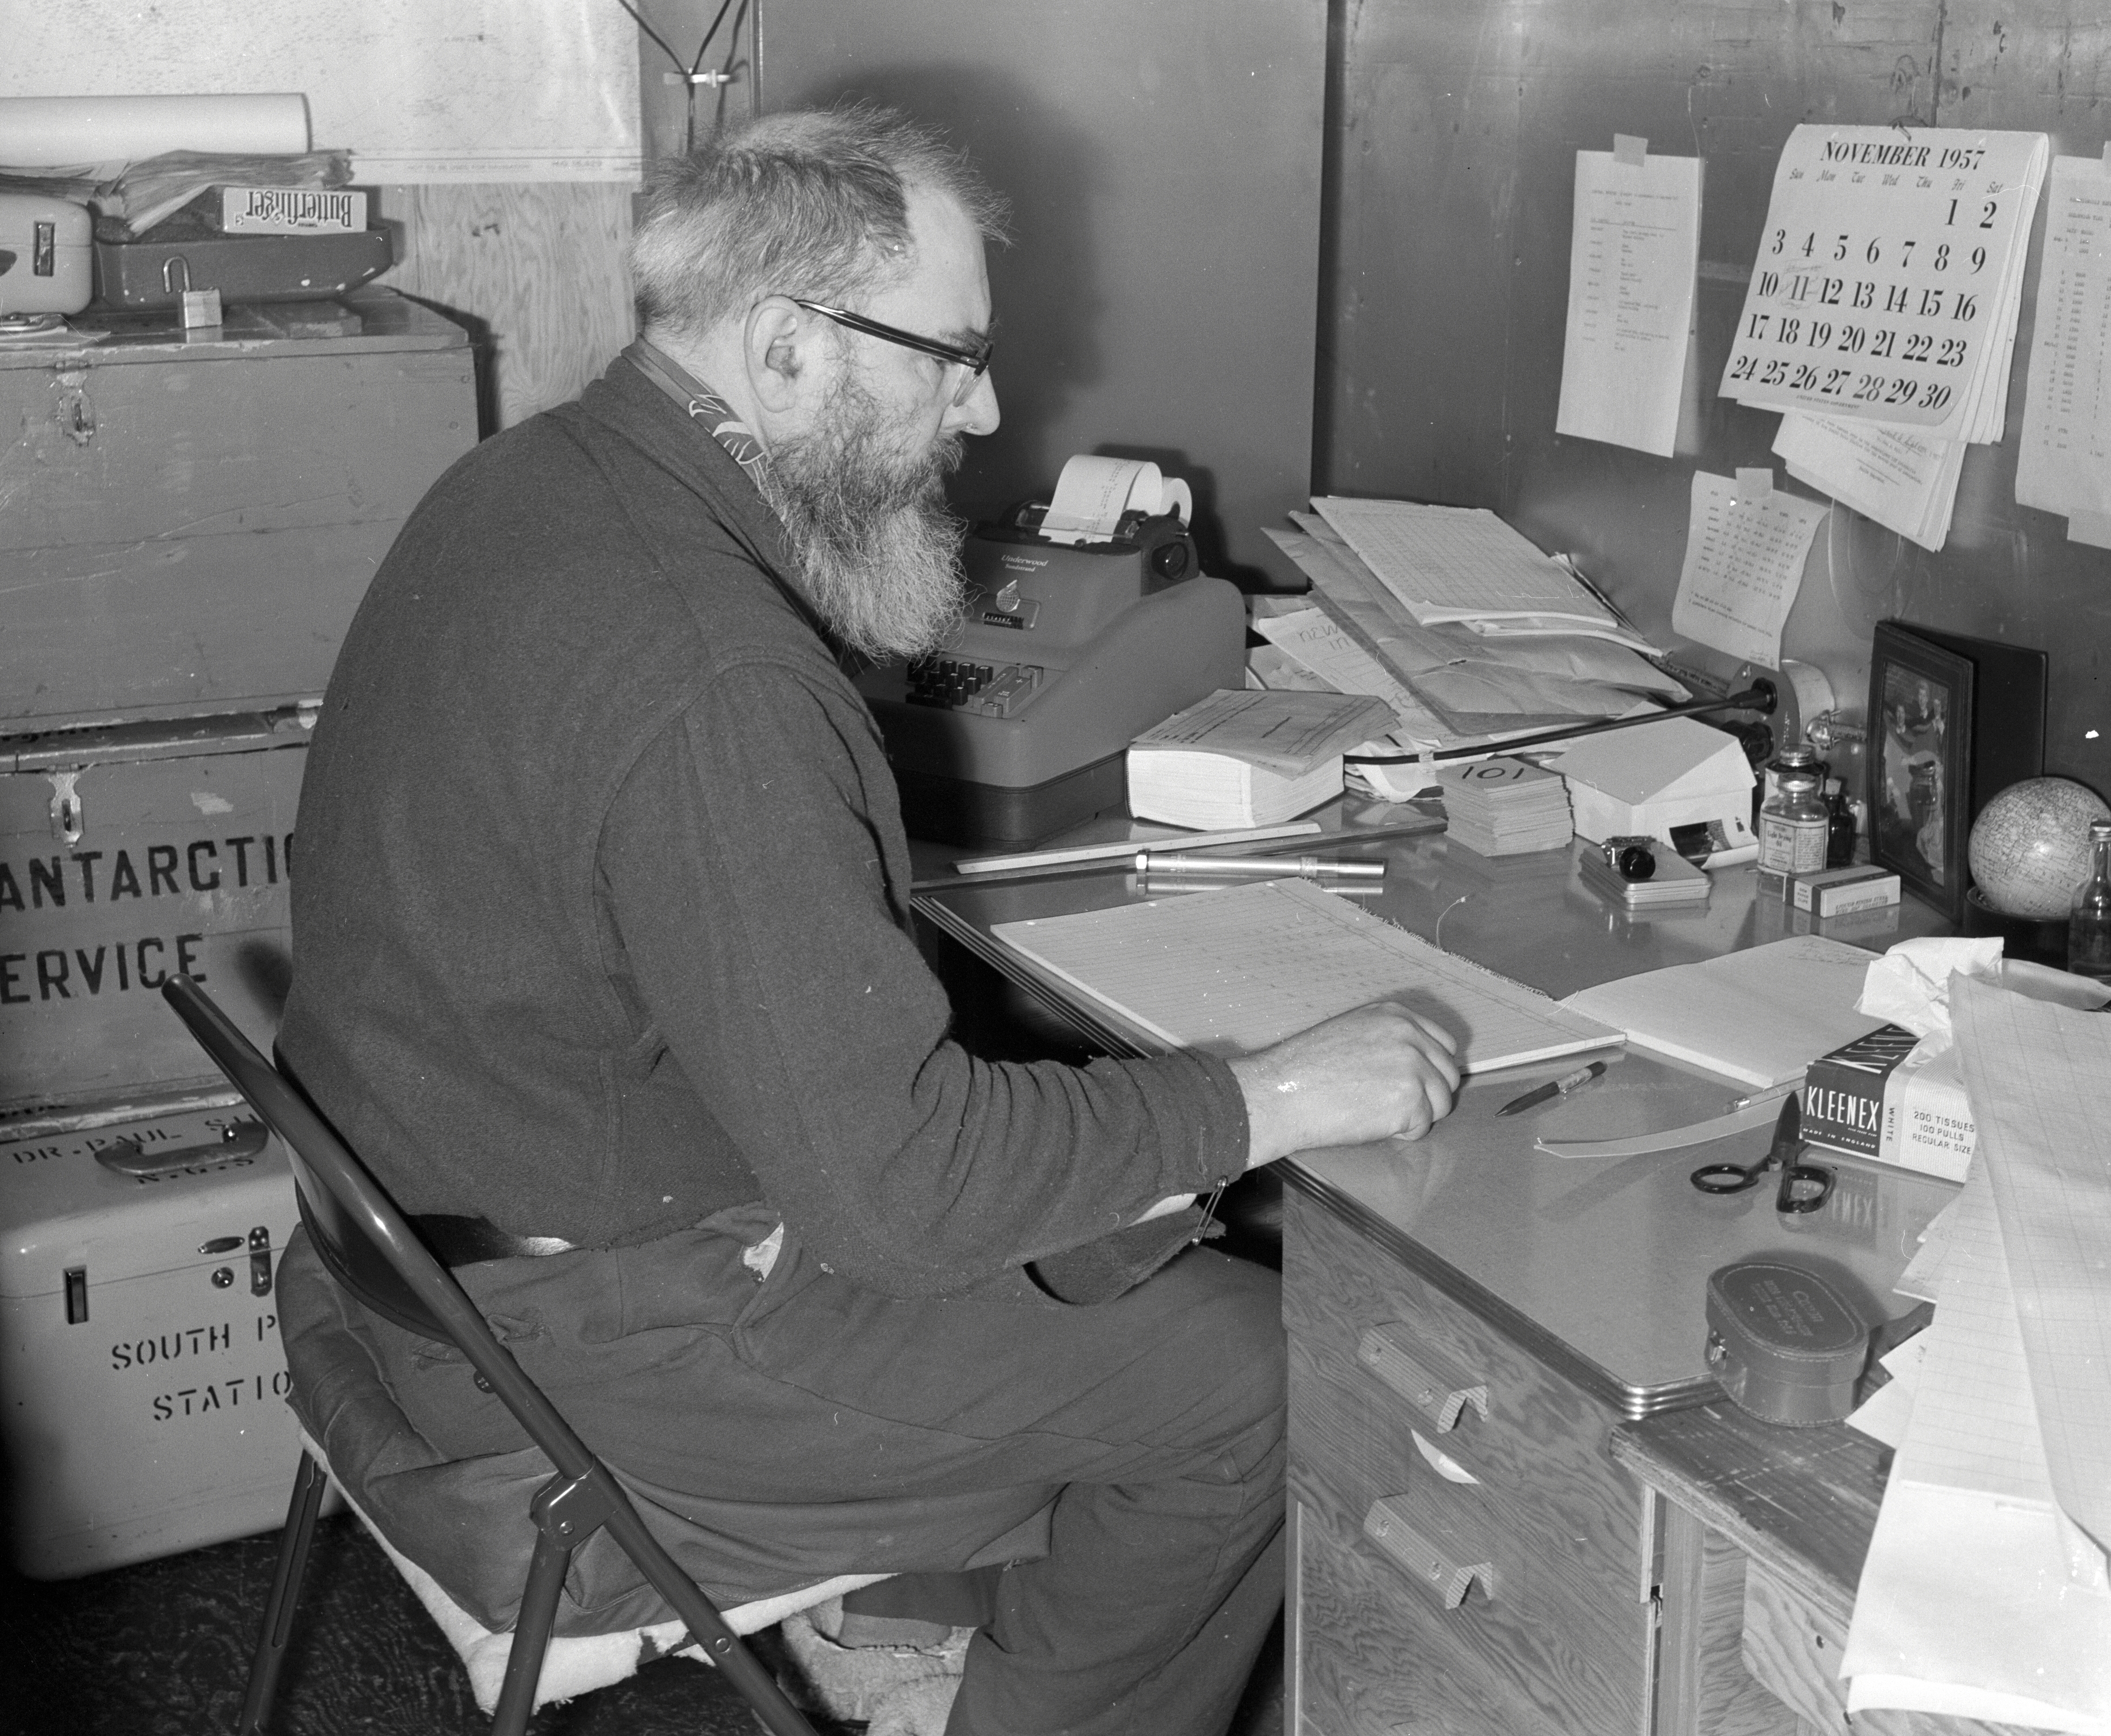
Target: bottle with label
[2088, 919]
[1794, 821]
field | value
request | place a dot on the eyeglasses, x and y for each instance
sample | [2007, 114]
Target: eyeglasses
[975, 360]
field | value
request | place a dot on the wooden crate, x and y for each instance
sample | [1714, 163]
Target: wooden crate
[189, 526]
[126, 854]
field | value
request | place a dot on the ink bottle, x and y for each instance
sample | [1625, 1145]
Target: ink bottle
[2089, 918]
[1839, 832]
[1794, 821]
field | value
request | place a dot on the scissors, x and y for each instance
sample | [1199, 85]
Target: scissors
[1804, 1187]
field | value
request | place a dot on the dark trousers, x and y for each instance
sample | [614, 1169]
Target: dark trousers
[1156, 1421]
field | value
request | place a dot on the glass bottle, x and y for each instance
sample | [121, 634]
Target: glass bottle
[1794, 821]
[2089, 918]
[1840, 830]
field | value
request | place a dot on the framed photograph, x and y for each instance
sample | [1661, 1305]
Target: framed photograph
[1921, 721]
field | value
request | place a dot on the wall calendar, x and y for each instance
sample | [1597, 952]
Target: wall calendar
[1888, 276]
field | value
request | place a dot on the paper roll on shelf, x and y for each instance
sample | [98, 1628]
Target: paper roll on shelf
[50, 132]
[1093, 494]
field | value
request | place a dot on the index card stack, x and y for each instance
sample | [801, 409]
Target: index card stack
[1504, 807]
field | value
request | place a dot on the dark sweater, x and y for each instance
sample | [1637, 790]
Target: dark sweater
[600, 922]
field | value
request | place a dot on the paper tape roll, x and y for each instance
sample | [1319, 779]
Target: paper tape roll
[1093, 494]
[51, 132]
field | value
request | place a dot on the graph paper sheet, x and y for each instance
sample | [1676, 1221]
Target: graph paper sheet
[1235, 970]
[1974, 1422]
[1985, 1594]
[1453, 563]
[2038, 1078]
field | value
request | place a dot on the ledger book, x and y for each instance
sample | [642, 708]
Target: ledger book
[1234, 970]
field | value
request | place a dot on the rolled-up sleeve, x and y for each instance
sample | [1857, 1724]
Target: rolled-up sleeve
[743, 866]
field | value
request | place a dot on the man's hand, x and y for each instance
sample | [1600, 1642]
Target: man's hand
[1368, 1075]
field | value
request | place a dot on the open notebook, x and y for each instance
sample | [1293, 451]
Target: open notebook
[1760, 1015]
[1235, 970]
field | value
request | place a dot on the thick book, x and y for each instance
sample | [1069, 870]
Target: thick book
[1235, 971]
[1248, 757]
[1179, 787]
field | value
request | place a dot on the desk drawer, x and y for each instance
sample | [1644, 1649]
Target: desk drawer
[1463, 1561]
[1541, 1445]
[1378, 1656]
[1374, 1662]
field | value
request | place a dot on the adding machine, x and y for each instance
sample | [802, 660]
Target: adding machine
[1019, 727]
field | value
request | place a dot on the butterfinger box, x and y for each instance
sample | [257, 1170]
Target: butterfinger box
[128, 853]
[141, 1375]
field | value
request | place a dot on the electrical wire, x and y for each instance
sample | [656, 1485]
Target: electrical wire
[690, 71]
[1760, 697]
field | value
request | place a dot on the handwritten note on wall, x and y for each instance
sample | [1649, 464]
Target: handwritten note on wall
[1633, 252]
[1746, 544]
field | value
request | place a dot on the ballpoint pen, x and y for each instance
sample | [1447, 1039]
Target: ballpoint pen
[1256, 867]
[1552, 1088]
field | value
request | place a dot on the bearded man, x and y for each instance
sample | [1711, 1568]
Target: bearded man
[603, 964]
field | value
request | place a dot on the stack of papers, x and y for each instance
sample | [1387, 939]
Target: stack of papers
[1985, 1594]
[1464, 564]
[1505, 806]
[1882, 310]
[1456, 682]
[1247, 757]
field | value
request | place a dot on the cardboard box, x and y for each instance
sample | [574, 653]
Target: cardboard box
[1874, 927]
[126, 854]
[1843, 1092]
[1840, 891]
[143, 1381]
[1656, 776]
[1870, 1098]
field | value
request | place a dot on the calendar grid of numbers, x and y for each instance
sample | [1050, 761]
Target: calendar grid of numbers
[1887, 276]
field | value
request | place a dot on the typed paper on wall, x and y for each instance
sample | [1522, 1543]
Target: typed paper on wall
[1634, 251]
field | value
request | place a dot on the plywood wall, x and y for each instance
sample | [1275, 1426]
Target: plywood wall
[1162, 159]
[1453, 137]
[535, 270]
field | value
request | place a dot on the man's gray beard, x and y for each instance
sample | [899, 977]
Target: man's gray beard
[871, 543]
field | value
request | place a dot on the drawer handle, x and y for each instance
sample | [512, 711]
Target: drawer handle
[1427, 1379]
[127, 1158]
[1423, 1553]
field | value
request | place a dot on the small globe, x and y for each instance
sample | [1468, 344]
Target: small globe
[2029, 848]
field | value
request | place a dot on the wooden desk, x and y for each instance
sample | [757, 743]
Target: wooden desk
[1502, 1573]
[1764, 1535]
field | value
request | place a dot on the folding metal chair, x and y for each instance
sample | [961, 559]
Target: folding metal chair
[369, 1250]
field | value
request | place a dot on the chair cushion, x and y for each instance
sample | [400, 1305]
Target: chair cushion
[464, 1521]
[580, 1663]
